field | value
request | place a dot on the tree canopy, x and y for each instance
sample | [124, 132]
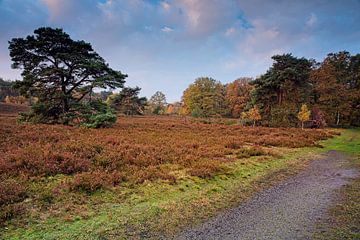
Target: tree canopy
[157, 103]
[60, 71]
[128, 101]
[205, 98]
[238, 95]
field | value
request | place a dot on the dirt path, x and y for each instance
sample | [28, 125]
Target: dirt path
[287, 211]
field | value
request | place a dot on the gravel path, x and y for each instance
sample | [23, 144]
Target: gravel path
[286, 211]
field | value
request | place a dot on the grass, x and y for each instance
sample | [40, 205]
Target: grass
[344, 221]
[146, 177]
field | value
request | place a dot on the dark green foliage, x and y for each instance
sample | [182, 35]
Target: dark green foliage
[7, 89]
[283, 116]
[100, 120]
[285, 85]
[128, 101]
[60, 72]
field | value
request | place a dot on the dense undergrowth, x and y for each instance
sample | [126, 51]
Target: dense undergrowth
[51, 171]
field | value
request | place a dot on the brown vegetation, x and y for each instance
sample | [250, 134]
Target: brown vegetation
[136, 150]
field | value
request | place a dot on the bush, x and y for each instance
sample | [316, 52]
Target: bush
[283, 117]
[41, 113]
[206, 169]
[95, 114]
[90, 182]
[11, 192]
[251, 152]
[100, 120]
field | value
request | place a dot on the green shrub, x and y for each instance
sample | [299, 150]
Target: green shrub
[100, 120]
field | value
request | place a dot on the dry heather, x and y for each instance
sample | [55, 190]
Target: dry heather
[135, 150]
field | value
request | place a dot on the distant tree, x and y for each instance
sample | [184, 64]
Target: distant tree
[238, 95]
[7, 89]
[304, 115]
[128, 101]
[253, 115]
[205, 98]
[174, 108]
[60, 72]
[157, 103]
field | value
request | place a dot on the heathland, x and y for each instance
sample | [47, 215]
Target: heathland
[144, 177]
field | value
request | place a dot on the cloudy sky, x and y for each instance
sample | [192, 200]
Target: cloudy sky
[165, 44]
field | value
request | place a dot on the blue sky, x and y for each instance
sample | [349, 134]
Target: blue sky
[165, 44]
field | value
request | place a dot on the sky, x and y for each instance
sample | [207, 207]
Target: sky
[164, 45]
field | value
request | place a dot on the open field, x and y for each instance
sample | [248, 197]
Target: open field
[65, 182]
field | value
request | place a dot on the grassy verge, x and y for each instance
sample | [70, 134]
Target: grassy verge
[344, 222]
[158, 208]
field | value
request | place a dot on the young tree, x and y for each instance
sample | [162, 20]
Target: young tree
[205, 98]
[253, 115]
[157, 103]
[128, 101]
[304, 115]
[59, 71]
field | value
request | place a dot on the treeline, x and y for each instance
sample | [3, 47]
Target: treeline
[330, 89]
[61, 74]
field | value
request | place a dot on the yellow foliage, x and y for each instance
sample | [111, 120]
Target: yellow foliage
[304, 114]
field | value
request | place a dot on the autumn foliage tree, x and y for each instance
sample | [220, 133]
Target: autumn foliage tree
[304, 115]
[253, 115]
[337, 88]
[238, 94]
[60, 72]
[205, 98]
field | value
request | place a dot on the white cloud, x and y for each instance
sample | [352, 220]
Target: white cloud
[166, 6]
[230, 31]
[312, 20]
[167, 29]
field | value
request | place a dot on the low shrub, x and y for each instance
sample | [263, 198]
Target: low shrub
[90, 182]
[11, 192]
[100, 120]
[153, 173]
[205, 169]
[251, 152]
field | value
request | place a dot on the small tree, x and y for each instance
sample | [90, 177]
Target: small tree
[128, 101]
[157, 103]
[254, 115]
[304, 115]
